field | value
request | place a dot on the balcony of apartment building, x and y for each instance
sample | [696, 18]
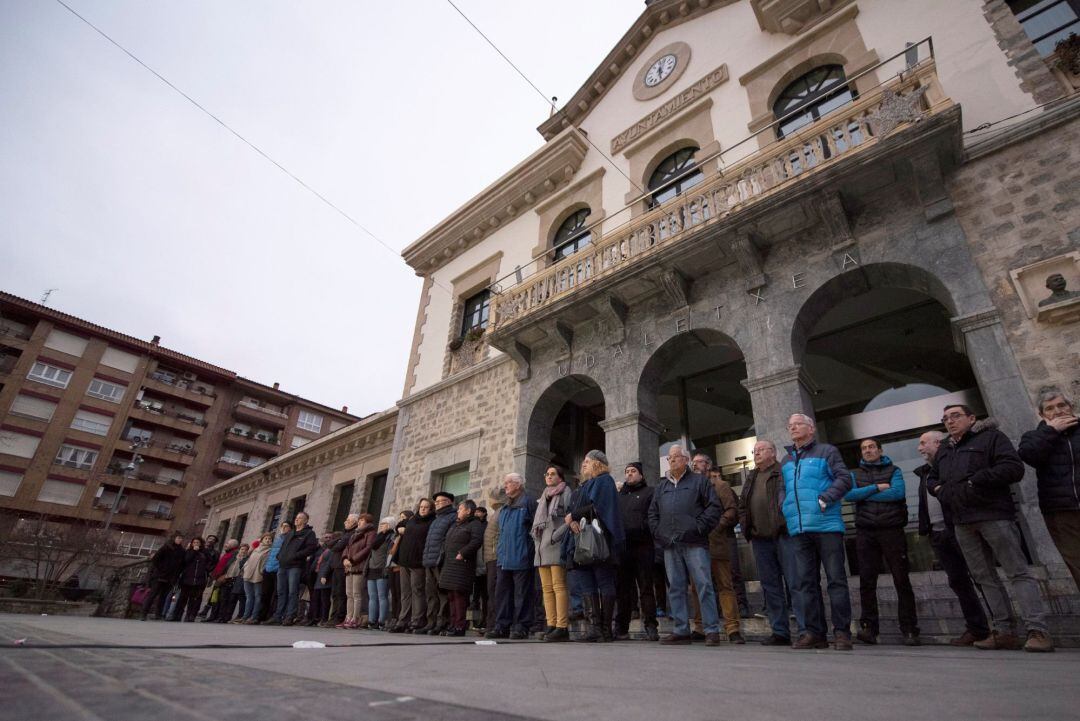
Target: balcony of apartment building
[260, 441]
[183, 385]
[14, 334]
[158, 412]
[132, 509]
[260, 412]
[152, 480]
[799, 170]
[9, 357]
[161, 446]
[232, 462]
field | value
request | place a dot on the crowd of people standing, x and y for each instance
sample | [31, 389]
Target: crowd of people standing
[604, 552]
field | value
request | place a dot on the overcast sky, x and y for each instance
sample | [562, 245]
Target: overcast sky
[150, 218]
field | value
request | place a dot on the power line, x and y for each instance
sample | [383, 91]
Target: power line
[541, 94]
[242, 139]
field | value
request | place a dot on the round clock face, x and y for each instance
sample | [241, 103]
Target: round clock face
[660, 70]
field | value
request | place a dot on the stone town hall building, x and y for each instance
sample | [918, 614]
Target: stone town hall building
[750, 208]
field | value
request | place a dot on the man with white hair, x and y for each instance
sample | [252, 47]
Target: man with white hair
[934, 522]
[338, 597]
[815, 481]
[514, 558]
[1053, 450]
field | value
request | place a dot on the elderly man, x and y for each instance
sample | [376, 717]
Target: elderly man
[514, 559]
[971, 476]
[438, 602]
[703, 463]
[815, 481]
[297, 547]
[881, 514]
[338, 597]
[764, 527]
[934, 522]
[683, 511]
[1053, 450]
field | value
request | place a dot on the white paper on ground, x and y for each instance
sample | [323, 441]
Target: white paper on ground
[486, 642]
[308, 644]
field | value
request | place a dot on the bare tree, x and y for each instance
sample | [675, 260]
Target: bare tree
[48, 553]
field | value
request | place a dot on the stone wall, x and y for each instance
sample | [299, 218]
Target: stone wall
[1019, 205]
[468, 420]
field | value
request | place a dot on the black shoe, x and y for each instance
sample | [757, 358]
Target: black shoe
[676, 640]
[911, 639]
[697, 636]
[867, 636]
[810, 641]
[518, 635]
[398, 629]
[142, 618]
[736, 638]
[289, 621]
[557, 635]
[497, 633]
[651, 634]
[712, 639]
[272, 622]
[622, 636]
[775, 640]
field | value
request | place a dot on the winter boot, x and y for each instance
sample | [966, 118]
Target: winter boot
[607, 614]
[591, 604]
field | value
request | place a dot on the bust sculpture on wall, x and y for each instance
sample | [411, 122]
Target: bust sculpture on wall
[1056, 284]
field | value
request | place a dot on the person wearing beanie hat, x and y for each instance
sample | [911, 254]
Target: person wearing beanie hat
[635, 579]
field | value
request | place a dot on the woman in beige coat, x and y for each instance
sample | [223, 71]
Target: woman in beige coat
[253, 573]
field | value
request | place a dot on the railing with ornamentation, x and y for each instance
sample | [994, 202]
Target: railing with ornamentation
[911, 96]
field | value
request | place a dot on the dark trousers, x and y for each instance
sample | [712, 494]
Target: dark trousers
[479, 600]
[660, 584]
[875, 545]
[159, 594]
[1064, 527]
[438, 603]
[775, 559]
[188, 605]
[736, 577]
[337, 594]
[634, 581]
[394, 577]
[514, 599]
[492, 578]
[458, 602]
[952, 562]
[319, 605]
[812, 551]
[225, 605]
[268, 589]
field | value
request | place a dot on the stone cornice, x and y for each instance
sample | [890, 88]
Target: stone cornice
[369, 434]
[657, 16]
[484, 365]
[794, 373]
[628, 420]
[540, 174]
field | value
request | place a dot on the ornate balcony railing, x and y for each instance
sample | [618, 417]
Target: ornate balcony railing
[911, 96]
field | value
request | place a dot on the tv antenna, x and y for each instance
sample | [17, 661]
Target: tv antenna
[46, 294]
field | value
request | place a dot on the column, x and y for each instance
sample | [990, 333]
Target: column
[982, 338]
[633, 437]
[774, 398]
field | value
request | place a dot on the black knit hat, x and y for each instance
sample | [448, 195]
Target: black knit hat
[637, 465]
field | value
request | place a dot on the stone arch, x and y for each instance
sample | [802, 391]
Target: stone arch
[664, 356]
[861, 280]
[537, 417]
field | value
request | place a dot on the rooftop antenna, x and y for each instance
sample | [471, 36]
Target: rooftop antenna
[554, 102]
[46, 294]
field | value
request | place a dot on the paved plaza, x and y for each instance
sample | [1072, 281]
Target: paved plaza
[115, 670]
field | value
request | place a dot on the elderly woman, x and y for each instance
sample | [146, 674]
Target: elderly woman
[377, 582]
[354, 558]
[462, 542]
[410, 556]
[552, 506]
[252, 577]
[596, 499]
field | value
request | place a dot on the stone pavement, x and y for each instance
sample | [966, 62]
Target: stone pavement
[215, 672]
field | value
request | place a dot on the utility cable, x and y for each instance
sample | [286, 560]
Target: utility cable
[541, 94]
[242, 139]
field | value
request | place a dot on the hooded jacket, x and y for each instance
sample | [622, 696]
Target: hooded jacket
[1055, 456]
[436, 537]
[812, 473]
[514, 551]
[874, 508]
[972, 476]
[272, 558]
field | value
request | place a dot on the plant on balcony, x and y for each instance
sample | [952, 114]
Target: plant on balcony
[1067, 54]
[456, 343]
[474, 334]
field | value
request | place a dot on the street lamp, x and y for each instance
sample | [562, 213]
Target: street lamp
[129, 469]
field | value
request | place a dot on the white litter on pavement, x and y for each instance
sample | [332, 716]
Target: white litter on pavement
[308, 644]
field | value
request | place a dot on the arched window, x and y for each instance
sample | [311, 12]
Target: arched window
[818, 92]
[679, 164]
[572, 235]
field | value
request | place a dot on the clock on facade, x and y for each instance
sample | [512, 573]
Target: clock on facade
[659, 71]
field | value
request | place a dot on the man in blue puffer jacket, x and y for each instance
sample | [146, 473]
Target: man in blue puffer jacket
[815, 481]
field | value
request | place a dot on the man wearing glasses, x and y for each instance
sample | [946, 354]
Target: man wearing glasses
[971, 476]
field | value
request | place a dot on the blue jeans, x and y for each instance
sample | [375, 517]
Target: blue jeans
[775, 559]
[253, 604]
[813, 550]
[288, 592]
[685, 563]
[378, 600]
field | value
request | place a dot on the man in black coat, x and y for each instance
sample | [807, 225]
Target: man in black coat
[438, 602]
[165, 567]
[337, 571]
[635, 572]
[971, 476]
[297, 547]
[934, 521]
[1053, 450]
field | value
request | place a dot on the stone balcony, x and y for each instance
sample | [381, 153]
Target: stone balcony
[765, 197]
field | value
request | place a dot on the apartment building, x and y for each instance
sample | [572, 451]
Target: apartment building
[100, 427]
